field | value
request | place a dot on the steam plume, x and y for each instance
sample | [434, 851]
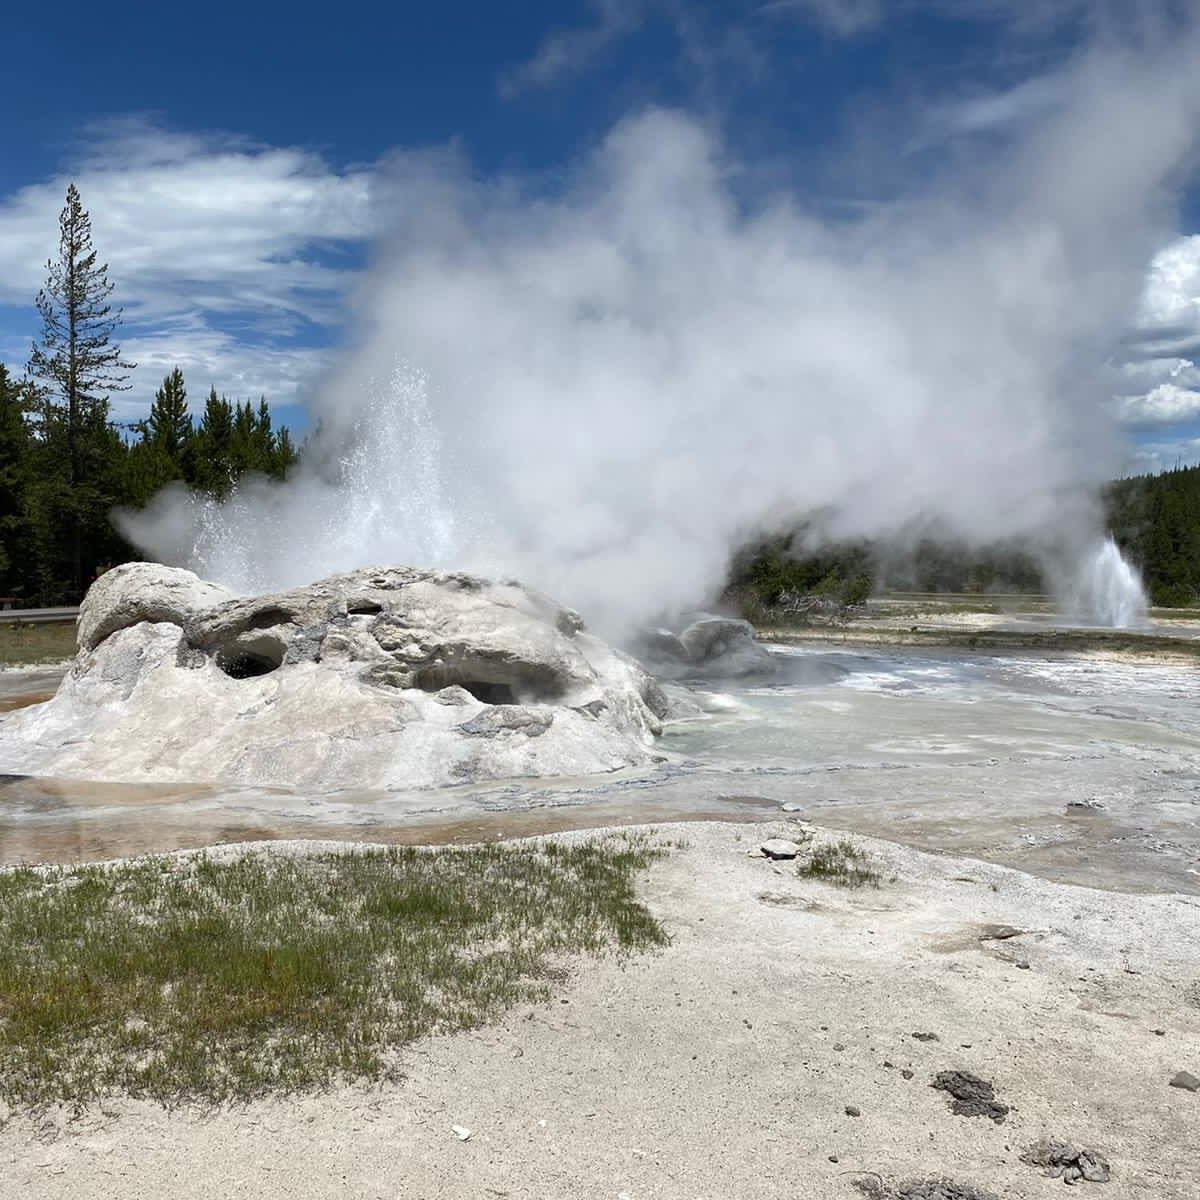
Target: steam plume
[603, 390]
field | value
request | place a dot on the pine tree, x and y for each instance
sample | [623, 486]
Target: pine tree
[284, 454]
[169, 425]
[163, 452]
[212, 468]
[77, 365]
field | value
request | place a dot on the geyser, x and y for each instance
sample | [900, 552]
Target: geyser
[1107, 590]
[392, 678]
[624, 378]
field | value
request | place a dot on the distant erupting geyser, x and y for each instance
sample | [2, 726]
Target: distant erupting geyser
[1108, 590]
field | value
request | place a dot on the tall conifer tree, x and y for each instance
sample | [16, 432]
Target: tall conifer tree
[77, 365]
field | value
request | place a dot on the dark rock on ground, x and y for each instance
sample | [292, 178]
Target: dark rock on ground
[1186, 1080]
[1061, 1160]
[973, 1097]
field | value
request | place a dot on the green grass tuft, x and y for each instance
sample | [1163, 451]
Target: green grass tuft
[841, 863]
[197, 979]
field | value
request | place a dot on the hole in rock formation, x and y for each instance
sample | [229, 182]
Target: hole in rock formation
[245, 666]
[493, 681]
[247, 658]
[489, 693]
[363, 608]
[437, 676]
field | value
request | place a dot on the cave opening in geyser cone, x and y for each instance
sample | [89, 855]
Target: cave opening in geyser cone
[248, 658]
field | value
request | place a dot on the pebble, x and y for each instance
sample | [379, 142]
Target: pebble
[852, 1110]
[927, 1037]
[1186, 1080]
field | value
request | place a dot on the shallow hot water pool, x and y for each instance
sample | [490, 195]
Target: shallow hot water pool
[1085, 769]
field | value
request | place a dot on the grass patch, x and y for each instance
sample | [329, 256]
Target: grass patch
[196, 979]
[841, 863]
[50, 641]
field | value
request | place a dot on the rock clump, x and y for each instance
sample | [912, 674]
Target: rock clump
[709, 648]
[396, 677]
[972, 1096]
[1062, 1160]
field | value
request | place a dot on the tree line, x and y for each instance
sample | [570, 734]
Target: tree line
[1155, 519]
[65, 464]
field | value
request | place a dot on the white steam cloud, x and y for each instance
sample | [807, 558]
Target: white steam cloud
[603, 390]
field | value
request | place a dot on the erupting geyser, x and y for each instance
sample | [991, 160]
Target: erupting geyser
[1108, 591]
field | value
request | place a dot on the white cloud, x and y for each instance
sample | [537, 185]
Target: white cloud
[1172, 294]
[209, 358]
[1166, 404]
[202, 235]
[1166, 332]
[1147, 373]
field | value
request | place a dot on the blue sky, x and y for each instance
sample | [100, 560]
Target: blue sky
[236, 159]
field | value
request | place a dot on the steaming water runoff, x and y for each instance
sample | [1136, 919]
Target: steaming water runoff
[1082, 769]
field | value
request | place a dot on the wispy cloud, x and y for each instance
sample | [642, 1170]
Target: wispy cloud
[992, 110]
[568, 51]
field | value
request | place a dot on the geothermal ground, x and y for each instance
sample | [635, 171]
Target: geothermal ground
[1032, 812]
[1078, 765]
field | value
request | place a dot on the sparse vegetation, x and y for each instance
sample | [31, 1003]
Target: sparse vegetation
[198, 979]
[22, 643]
[841, 863]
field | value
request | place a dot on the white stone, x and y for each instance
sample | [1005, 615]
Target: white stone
[780, 848]
[138, 591]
